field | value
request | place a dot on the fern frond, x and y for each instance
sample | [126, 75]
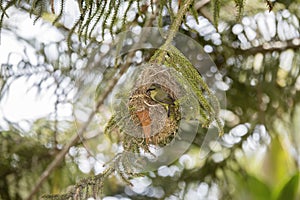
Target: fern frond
[72, 30]
[33, 6]
[88, 23]
[98, 17]
[125, 14]
[4, 14]
[62, 5]
[240, 8]
[114, 17]
[194, 12]
[40, 8]
[216, 11]
[85, 188]
[106, 16]
[110, 125]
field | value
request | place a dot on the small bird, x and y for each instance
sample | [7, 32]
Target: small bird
[160, 96]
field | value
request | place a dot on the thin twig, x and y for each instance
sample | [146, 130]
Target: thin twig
[270, 47]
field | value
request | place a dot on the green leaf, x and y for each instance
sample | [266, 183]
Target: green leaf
[290, 189]
[250, 187]
[257, 188]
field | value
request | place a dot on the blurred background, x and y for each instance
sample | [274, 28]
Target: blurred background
[45, 45]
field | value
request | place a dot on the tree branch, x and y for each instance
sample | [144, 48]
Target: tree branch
[270, 47]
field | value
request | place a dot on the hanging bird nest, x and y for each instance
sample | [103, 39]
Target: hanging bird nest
[143, 121]
[149, 116]
[158, 128]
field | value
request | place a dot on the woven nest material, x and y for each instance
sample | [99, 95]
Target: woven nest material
[158, 128]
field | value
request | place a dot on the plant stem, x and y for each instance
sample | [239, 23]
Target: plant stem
[175, 25]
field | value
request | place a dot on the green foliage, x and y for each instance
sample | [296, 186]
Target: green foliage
[216, 11]
[259, 95]
[103, 14]
[250, 187]
[240, 6]
[217, 6]
[291, 189]
[84, 189]
[20, 158]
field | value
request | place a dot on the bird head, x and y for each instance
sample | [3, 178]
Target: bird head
[154, 87]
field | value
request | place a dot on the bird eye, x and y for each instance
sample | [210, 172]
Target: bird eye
[148, 91]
